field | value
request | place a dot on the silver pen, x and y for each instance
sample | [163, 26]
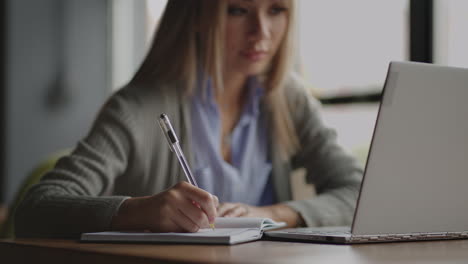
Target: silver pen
[174, 145]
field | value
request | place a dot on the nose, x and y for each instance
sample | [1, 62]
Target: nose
[259, 27]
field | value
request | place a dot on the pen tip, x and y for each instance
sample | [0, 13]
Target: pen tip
[162, 115]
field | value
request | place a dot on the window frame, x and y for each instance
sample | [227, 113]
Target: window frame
[421, 23]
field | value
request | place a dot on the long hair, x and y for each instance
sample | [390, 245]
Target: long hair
[190, 37]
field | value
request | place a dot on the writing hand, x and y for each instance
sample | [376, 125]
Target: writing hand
[182, 208]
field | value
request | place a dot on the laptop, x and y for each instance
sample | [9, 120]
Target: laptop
[416, 177]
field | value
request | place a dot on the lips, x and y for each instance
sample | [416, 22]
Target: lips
[254, 55]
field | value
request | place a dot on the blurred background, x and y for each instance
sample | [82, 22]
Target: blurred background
[61, 59]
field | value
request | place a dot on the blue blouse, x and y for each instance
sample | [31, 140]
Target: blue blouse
[247, 180]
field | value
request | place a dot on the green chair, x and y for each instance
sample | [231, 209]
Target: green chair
[7, 230]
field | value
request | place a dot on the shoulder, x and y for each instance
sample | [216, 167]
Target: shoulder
[133, 108]
[136, 99]
[138, 94]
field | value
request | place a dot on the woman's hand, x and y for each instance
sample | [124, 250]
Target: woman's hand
[277, 212]
[242, 210]
[182, 208]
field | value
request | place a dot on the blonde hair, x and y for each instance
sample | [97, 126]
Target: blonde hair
[190, 37]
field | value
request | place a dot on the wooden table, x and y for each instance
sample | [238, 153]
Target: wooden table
[69, 252]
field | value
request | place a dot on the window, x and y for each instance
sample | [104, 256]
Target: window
[346, 46]
[345, 49]
[133, 23]
[155, 9]
[450, 38]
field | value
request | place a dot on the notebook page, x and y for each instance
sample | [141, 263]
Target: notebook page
[201, 233]
[218, 236]
[247, 222]
[238, 222]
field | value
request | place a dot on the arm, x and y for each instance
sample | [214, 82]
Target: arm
[68, 200]
[334, 172]
[71, 200]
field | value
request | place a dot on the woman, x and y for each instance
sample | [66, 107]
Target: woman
[221, 70]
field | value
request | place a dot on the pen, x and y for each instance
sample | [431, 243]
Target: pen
[174, 145]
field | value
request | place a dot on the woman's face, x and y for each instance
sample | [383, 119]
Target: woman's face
[254, 31]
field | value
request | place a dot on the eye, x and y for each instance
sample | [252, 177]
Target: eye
[236, 11]
[276, 10]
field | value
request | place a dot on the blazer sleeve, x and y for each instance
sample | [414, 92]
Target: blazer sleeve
[69, 200]
[335, 173]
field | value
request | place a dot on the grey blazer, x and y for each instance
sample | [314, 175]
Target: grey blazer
[125, 155]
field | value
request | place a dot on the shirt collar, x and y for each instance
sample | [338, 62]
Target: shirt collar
[255, 91]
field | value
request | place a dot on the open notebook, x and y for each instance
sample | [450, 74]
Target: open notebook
[228, 231]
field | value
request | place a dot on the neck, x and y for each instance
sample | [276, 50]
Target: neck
[233, 92]
[230, 102]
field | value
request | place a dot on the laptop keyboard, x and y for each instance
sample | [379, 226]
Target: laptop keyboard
[323, 233]
[327, 234]
[330, 231]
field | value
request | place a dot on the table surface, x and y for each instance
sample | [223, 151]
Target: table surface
[71, 251]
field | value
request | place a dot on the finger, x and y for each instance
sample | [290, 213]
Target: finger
[236, 211]
[203, 198]
[216, 200]
[224, 207]
[197, 205]
[190, 209]
[173, 227]
[183, 222]
[193, 211]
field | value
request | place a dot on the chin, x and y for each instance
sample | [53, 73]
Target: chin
[251, 70]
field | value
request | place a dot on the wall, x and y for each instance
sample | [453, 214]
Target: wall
[56, 79]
